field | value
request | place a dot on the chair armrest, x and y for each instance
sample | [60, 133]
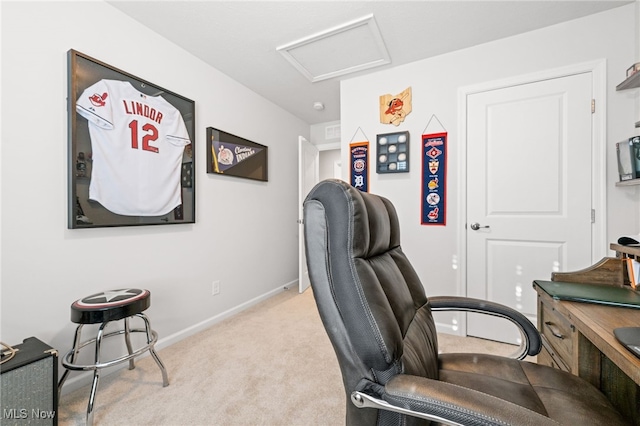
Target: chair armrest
[531, 342]
[448, 404]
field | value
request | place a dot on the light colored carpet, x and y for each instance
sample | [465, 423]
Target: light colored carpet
[272, 364]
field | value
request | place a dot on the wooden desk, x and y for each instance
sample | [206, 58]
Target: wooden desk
[578, 338]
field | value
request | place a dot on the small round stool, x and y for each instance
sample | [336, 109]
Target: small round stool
[101, 308]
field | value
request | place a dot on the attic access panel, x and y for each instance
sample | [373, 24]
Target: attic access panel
[354, 46]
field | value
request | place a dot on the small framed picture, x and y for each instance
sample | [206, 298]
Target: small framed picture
[633, 69]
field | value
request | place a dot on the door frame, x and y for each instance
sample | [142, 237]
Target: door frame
[302, 267]
[598, 158]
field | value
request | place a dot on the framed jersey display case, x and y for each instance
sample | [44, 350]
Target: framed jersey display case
[131, 149]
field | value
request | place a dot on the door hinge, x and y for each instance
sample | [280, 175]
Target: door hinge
[593, 215]
[593, 106]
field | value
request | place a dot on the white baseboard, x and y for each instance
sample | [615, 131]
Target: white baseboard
[201, 326]
[78, 380]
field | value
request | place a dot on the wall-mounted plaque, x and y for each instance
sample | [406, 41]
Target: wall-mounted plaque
[394, 108]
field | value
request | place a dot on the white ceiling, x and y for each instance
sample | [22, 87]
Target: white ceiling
[240, 38]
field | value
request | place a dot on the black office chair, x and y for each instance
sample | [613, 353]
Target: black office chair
[380, 323]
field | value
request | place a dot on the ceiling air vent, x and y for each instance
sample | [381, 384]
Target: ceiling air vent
[332, 132]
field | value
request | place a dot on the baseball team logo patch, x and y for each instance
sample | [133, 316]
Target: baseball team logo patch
[98, 100]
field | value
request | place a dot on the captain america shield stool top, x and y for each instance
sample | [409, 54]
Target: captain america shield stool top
[102, 308]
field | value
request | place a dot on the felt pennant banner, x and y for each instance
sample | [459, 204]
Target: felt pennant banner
[434, 179]
[359, 161]
[227, 155]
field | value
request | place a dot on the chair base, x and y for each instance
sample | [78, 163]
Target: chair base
[68, 361]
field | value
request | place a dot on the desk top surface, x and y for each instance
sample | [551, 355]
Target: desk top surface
[592, 293]
[596, 323]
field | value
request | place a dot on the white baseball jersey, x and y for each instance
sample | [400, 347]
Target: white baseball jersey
[137, 144]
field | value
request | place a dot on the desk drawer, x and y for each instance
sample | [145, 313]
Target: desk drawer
[558, 332]
[548, 357]
[545, 358]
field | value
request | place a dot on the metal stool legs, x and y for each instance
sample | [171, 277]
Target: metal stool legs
[127, 339]
[68, 361]
[75, 349]
[151, 340]
[96, 374]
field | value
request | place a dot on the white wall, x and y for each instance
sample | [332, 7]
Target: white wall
[245, 233]
[326, 135]
[435, 83]
[327, 160]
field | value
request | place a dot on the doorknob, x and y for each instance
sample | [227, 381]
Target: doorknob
[475, 226]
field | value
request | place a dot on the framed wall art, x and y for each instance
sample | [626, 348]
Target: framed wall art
[393, 152]
[232, 155]
[131, 151]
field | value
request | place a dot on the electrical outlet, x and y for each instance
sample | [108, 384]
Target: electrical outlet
[215, 288]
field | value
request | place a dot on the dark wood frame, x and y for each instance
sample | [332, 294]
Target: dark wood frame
[84, 71]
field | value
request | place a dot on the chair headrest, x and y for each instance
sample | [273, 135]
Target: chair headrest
[369, 220]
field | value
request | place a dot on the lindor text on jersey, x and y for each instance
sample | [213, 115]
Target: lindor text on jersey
[138, 108]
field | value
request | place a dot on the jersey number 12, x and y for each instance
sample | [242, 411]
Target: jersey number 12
[151, 135]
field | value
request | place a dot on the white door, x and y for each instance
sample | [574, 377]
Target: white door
[528, 193]
[337, 169]
[308, 176]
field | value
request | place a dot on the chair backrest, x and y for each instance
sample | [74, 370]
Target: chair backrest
[370, 299]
